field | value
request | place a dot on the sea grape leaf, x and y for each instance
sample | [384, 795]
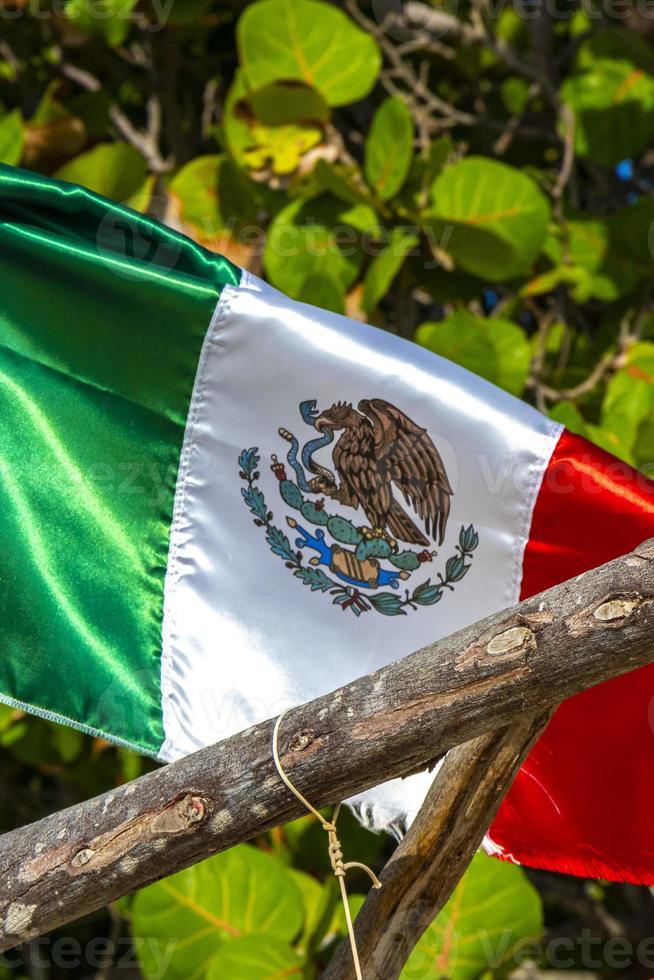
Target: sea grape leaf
[242, 892]
[343, 181]
[316, 236]
[324, 291]
[307, 41]
[497, 217]
[254, 958]
[496, 349]
[256, 145]
[492, 911]
[213, 195]
[282, 103]
[11, 138]
[612, 94]
[384, 267]
[107, 19]
[115, 170]
[389, 148]
[628, 406]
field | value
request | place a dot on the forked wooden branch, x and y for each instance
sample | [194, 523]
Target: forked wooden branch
[426, 867]
[388, 724]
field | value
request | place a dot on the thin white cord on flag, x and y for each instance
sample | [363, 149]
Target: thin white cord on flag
[334, 846]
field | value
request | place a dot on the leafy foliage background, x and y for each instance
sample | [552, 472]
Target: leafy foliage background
[475, 175]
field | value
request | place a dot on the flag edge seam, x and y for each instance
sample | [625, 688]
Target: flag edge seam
[171, 723]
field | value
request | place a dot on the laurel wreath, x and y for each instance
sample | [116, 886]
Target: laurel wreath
[428, 593]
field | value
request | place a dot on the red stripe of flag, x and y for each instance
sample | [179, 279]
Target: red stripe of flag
[583, 802]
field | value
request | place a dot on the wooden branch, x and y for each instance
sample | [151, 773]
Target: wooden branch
[426, 867]
[388, 724]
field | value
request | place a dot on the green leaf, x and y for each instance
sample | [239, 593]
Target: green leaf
[10, 973]
[254, 958]
[343, 181]
[213, 196]
[49, 107]
[438, 153]
[307, 41]
[195, 192]
[515, 95]
[445, 287]
[92, 109]
[496, 215]
[281, 103]
[131, 765]
[242, 892]
[323, 291]
[281, 148]
[389, 148]
[612, 95]
[13, 727]
[384, 267]
[107, 19]
[338, 924]
[614, 106]
[11, 138]
[608, 272]
[493, 348]
[615, 45]
[185, 12]
[8, 717]
[569, 415]
[302, 242]
[493, 910]
[423, 170]
[632, 234]
[67, 742]
[53, 133]
[318, 901]
[592, 264]
[256, 145]
[628, 406]
[115, 170]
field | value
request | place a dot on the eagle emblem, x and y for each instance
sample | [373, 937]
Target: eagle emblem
[388, 471]
[381, 448]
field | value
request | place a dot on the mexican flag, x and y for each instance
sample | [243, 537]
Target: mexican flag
[216, 502]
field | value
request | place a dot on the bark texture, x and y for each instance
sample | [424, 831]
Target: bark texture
[431, 859]
[391, 723]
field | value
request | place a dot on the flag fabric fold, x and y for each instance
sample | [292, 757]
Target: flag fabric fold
[217, 502]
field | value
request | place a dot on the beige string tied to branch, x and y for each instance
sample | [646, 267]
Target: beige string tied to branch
[339, 867]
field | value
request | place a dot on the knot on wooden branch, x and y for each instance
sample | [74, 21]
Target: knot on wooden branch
[614, 609]
[186, 813]
[515, 642]
[82, 857]
[614, 612]
[510, 640]
[301, 740]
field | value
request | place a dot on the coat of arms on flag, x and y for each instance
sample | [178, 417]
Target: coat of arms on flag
[423, 476]
[378, 448]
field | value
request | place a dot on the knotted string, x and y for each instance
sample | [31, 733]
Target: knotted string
[339, 867]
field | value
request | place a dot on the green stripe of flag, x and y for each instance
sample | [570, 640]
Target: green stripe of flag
[102, 318]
